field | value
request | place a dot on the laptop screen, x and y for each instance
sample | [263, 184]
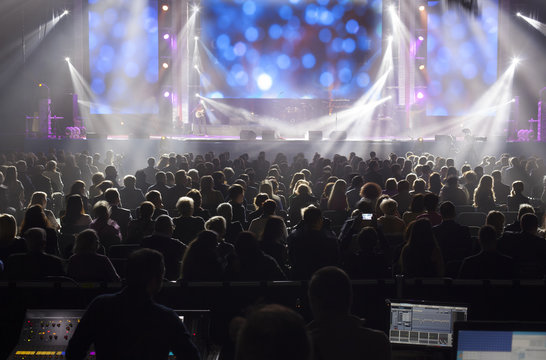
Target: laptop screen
[477, 341]
[424, 324]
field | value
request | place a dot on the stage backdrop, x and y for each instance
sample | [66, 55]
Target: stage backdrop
[296, 49]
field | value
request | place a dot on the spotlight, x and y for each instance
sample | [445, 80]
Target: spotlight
[165, 7]
[420, 95]
[195, 8]
[515, 61]
[166, 36]
[518, 14]
[165, 65]
[513, 100]
[421, 38]
[66, 12]
[421, 67]
[392, 9]
[390, 38]
[196, 38]
[67, 59]
[40, 85]
[196, 67]
[422, 8]
[166, 94]
[197, 95]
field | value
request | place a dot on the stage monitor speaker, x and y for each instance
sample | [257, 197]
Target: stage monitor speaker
[268, 135]
[92, 135]
[338, 135]
[247, 135]
[315, 135]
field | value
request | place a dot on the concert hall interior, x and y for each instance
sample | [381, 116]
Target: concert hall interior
[272, 179]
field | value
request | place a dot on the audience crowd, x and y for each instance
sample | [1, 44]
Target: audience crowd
[215, 218]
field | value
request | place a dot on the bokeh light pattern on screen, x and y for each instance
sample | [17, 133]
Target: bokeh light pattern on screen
[123, 56]
[462, 57]
[290, 49]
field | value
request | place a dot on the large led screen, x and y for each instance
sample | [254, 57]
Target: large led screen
[298, 49]
[462, 56]
[123, 56]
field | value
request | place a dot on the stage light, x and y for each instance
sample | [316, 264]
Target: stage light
[421, 38]
[196, 38]
[420, 139]
[67, 59]
[197, 95]
[392, 9]
[421, 67]
[195, 8]
[515, 61]
[513, 100]
[165, 7]
[66, 12]
[166, 36]
[420, 95]
[196, 67]
[40, 85]
[166, 94]
[390, 38]
[518, 14]
[422, 8]
[165, 65]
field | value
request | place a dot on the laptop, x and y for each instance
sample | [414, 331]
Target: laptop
[476, 340]
[424, 324]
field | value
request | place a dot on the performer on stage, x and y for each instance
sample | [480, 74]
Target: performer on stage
[200, 120]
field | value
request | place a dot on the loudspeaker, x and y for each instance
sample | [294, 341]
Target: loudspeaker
[247, 135]
[91, 135]
[338, 135]
[268, 135]
[315, 135]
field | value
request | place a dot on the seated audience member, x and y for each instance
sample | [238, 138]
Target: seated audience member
[431, 206]
[14, 189]
[369, 262]
[501, 190]
[273, 332]
[391, 187]
[74, 219]
[337, 200]
[186, 225]
[178, 190]
[495, 219]
[36, 218]
[160, 184]
[40, 198]
[257, 225]
[250, 263]
[435, 183]
[54, 176]
[155, 198]
[416, 208]
[233, 228]
[131, 196]
[403, 197]
[236, 195]
[390, 223]
[311, 246]
[421, 256]
[35, 264]
[527, 249]
[86, 264]
[111, 174]
[200, 261]
[106, 228]
[121, 216]
[171, 249]
[197, 209]
[143, 226]
[224, 249]
[453, 193]
[515, 226]
[353, 194]
[335, 332]
[9, 242]
[41, 182]
[164, 331]
[516, 197]
[273, 240]
[419, 187]
[96, 180]
[259, 201]
[211, 198]
[78, 188]
[303, 198]
[484, 196]
[489, 263]
[370, 192]
[453, 239]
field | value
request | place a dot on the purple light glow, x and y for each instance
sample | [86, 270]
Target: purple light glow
[166, 94]
[166, 36]
[420, 95]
